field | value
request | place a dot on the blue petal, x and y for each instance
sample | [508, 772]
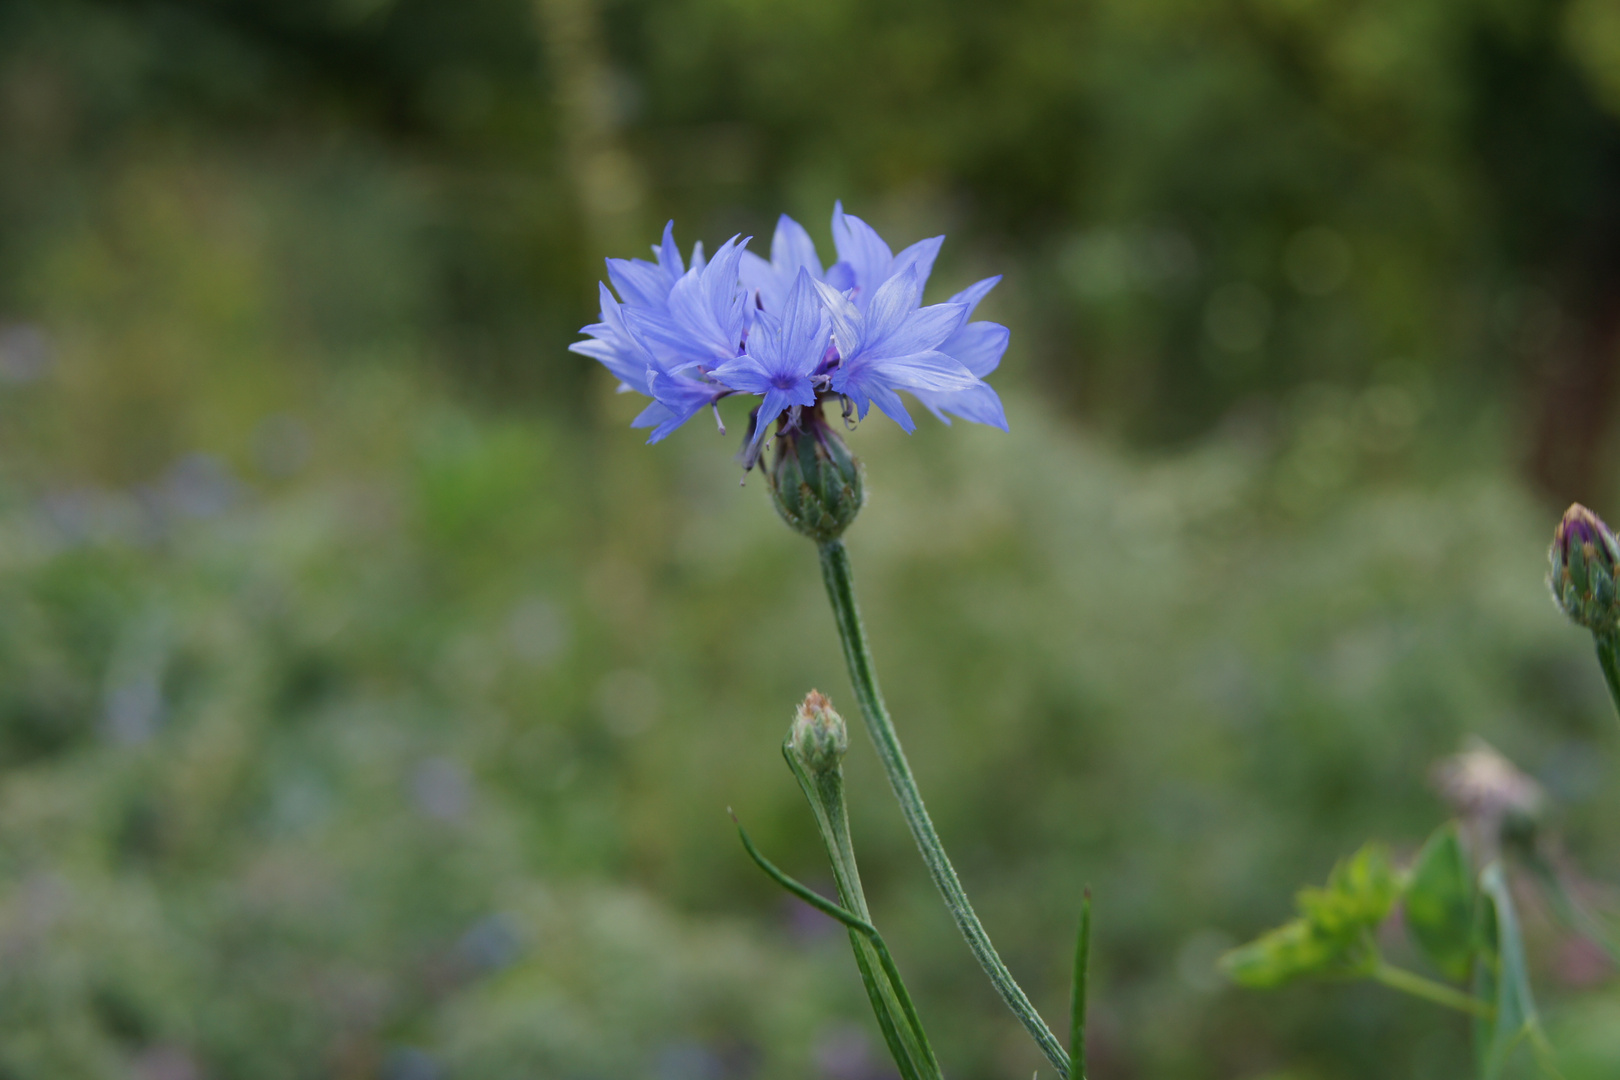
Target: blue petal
[669, 255]
[862, 248]
[892, 302]
[841, 276]
[805, 328]
[744, 373]
[617, 346]
[979, 404]
[640, 282]
[706, 307]
[679, 399]
[919, 371]
[775, 404]
[974, 293]
[792, 248]
[889, 403]
[921, 255]
[895, 325]
[848, 324]
[759, 276]
[979, 346]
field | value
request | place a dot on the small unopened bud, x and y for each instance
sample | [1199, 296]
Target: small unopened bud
[1584, 555]
[816, 483]
[819, 737]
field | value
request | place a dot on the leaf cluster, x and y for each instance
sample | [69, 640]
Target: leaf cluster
[1333, 935]
[1467, 928]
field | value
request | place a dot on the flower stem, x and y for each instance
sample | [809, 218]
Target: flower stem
[835, 570]
[1429, 990]
[1608, 653]
[1077, 998]
[891, 1003]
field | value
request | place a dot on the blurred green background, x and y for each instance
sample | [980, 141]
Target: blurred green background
[370, 697]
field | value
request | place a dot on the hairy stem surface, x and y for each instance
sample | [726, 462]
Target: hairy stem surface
[835, 570]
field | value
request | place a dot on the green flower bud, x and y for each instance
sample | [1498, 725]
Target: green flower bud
[816, 483]
[1584, 555]
[819, 737]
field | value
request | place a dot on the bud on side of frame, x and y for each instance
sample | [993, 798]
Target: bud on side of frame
[1584, 556]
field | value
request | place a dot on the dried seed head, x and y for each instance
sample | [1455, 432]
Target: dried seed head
[1495, 800]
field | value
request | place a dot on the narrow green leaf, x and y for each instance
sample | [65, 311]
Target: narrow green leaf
[1440, 901]
[1504, 973]
[808, 895]
[891, 1002]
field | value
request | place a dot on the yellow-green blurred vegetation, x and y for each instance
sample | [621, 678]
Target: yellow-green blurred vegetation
[371, 698]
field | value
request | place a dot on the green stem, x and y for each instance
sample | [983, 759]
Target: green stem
[1608, 654]
[835, 570]
[1077, 999]
[1429, 990]
[915, 1058]
[908, 1042]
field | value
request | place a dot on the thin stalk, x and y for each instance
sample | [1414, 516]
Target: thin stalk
[1608, 654]
[860, 926]
[825, 793]
[1077, 999]
[1429, 990]
[835, 570]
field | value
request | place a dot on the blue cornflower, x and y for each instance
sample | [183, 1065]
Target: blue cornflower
[783, 356]
[793, 332]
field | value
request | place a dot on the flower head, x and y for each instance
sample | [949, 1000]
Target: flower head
[687, 333]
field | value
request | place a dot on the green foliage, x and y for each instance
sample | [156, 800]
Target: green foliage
[1439, 902]
[1333, 935]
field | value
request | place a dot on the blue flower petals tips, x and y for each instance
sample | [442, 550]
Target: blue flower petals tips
[793, 332]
